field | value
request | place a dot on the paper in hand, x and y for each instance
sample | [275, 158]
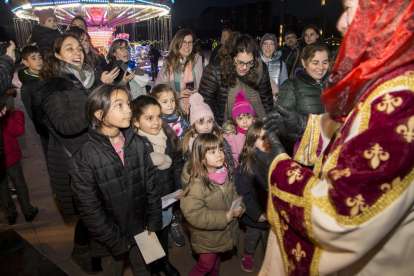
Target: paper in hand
[169, 199]
[149, 246]
[235, 205]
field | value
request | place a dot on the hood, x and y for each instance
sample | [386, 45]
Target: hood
[39, 30]
[185, 177]
[308, 79]
[25, 76]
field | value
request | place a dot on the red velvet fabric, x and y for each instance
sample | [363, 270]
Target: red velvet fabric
[379, 40]
[12, 125]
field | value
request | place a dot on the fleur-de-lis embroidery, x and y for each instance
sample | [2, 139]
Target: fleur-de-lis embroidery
[407, 130]
[291, 266]
[376, 154]
[357, 203]
[298, 252]
[336, 174]
[294, 175]
[386, 186]
[389, 103]
[284, 227]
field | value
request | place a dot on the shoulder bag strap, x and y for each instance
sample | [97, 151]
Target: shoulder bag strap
[65, 150]
[294, 64]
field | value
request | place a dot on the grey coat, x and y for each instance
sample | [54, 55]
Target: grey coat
[274, 66]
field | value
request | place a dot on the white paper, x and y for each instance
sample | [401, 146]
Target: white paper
[169, 199]
[149, 246]
[236, 204]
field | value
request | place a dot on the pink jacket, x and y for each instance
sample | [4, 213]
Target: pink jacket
[236, 142]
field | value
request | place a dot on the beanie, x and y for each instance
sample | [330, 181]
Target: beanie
[199, 109]
[44, 14]
[268, 36]
[241, 106]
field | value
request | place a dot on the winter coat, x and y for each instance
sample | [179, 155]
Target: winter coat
[215, 93]
[115, 201]
[6, 73]
[169, 179]
[255, 193]
[43, 37]
[206, 211]
[236, 142]
[285, 52]
[179, 127]
[309, 90]
[12, 125]
[59, 104]
[277, 68]
[291, 60]
[29, 84]
[214, 54]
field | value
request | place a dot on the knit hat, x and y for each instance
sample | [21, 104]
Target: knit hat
[268, 36]
[198, 109]
[44, 14]
[241, 106]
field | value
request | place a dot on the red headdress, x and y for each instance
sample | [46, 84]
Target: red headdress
[379, 40]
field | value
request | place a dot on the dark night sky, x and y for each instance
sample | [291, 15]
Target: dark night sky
[184, 9]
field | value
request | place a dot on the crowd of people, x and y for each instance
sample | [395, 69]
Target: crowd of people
[214, 130]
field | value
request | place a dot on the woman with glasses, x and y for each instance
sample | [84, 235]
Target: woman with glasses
[119, 51]
[277, 68]
[183, 67]
[239, 68]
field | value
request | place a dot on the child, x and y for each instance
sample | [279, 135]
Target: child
[172, 113]
[202, 121]
[29, 77]
[254, 190]
[12, 124]
[209, 192]
[243, 117]
[114, 183]
[44, 33]
[165, 151]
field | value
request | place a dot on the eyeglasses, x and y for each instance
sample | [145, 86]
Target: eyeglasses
[290, 37]
[268, 44]
[241, 63]
[123, 49]
[188, 43]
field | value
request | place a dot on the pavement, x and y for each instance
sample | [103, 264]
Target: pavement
[52, 232]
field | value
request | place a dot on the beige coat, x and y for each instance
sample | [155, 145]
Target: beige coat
[205, 212]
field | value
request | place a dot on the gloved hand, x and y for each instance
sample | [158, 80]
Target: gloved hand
[265, 159]
[285, 121]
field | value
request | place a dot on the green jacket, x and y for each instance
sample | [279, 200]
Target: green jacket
[309, 91]
[206, 211]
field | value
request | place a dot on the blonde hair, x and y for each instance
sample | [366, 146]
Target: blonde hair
[193, 131]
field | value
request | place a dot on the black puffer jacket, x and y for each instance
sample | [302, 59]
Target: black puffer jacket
[309, 90]
[43, 37]
[170, 179]
[29, 84]
[115, 201]
[59, 104]
[215, 94]
[290, 60]
[255, 194]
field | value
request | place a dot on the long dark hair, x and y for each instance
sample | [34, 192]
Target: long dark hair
[138, 107]
[79, 33]
[156, 92]
[247, 153]
[100, 99]
[237, 43]
[110, 57]
[317, 31]
[51, 64]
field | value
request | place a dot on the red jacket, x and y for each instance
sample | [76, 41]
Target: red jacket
[12, 125]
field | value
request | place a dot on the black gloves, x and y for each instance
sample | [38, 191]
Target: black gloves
[285, 121]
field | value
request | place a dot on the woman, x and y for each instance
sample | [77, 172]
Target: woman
[78, 21]
[304, 92]
[239, 68]
[277, 68]
[67, 77]
[98, 61]
[183, 65]
[137, 80]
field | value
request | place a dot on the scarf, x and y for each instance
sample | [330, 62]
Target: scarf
[241, 130]
[159, 144]
[133, 85]
[189, 76]
[172, 118]
[379, 40]
[219, 176]
[86, 75]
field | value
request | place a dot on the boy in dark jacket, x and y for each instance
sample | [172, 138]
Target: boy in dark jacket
[44, 33]
[29, 77]
[12, 125]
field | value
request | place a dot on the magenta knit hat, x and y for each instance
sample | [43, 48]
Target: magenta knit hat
[44, 14]
[241, 106]
[198, 109]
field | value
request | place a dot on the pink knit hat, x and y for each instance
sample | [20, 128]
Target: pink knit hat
[241, 106]
[44, 14]
[198, 109]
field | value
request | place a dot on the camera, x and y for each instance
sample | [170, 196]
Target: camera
[3, 50]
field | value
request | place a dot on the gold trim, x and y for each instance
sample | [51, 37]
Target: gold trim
[315, 139]
[278, 158]
[306, 153]
[288, 197]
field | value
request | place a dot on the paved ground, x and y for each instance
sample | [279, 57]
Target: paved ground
[52, 232]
